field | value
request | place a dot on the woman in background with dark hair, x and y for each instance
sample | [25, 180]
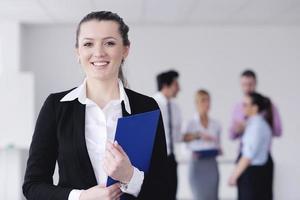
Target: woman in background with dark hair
[253, 173]
[76, 128]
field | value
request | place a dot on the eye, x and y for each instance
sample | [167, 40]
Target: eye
[87, 44]
[110, 43]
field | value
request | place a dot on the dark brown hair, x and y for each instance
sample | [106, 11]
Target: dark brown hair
[166, 78]
[107, 16]
[264, 105]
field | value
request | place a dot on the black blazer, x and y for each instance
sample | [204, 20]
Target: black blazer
[59, 136]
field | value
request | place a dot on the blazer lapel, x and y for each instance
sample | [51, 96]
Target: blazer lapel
[85, 164]
[132, 103]
[124, 111]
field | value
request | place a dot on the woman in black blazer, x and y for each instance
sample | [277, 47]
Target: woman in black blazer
[65, 124]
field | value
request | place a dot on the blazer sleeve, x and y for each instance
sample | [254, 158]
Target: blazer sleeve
[155, 182]
[38, 181]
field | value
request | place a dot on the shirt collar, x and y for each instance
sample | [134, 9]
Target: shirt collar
[197, 118]
[254, 118]
[162, 98]
[80, 94]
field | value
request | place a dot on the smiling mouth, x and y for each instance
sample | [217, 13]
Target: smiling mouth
[100, 64]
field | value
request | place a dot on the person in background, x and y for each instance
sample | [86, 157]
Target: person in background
[248, 84]
[168, 88]
[254, 169]
[76, 128]
[202, 135]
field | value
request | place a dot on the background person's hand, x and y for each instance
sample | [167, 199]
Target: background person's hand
[239, 127]
[112, 192]
[208, 137]
[188, 137]
[232, 181]
[116, 163]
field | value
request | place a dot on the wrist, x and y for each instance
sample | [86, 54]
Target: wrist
[135, 184]
[235, 175]
[130, 174]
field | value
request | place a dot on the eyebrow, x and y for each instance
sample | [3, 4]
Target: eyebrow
[103, 38]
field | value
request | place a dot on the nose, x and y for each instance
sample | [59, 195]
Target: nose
[99, 51]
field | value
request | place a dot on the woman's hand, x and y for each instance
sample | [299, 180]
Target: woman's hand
[112, 192]
[232, 180]
[208, 137]
[116, 163]
[239, 127]
[188, 137]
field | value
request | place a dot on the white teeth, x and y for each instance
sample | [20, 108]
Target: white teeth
[100, 63]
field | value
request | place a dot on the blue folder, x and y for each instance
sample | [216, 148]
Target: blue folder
[136, 135]
[207, 153]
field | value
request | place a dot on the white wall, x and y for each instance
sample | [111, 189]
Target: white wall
[16, 102]
[208, 57]
[16, 112]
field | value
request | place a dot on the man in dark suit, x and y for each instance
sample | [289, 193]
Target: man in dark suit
[168, 87]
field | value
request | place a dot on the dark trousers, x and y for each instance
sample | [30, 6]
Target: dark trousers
[256, 183]
[172, 177]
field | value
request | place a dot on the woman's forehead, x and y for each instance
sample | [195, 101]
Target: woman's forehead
[95, 29]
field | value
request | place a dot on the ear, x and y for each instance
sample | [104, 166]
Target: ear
[126, 51]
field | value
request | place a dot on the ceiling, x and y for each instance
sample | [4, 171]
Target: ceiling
[148, 12]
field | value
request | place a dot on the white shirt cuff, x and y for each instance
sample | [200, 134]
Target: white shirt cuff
[135, 184]
[74, 195]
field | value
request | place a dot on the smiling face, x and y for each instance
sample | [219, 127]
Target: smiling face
[101, 49]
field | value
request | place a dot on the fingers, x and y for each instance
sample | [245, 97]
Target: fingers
[114, 191]
[108, 161]
[106, 167]
[114, 151]
[109, 156]
[116, 144]
[116, 163]
[189, 137]
[112, 165]
[208, 137]
[112, 158]
[232, 181]
[118, 197]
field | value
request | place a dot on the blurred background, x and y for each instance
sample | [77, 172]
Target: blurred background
[209, 42]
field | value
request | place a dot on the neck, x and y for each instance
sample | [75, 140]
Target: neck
[101, 92]
[165, 93]
[204, 116]
[204, 119]
[253, 114]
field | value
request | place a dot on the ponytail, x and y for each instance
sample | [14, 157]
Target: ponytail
[121, 75]
[268, 111]
[264, 105]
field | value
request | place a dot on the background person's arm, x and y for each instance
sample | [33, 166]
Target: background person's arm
[240, 168]
[251, 148]
[277, 126]
[237, 125]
